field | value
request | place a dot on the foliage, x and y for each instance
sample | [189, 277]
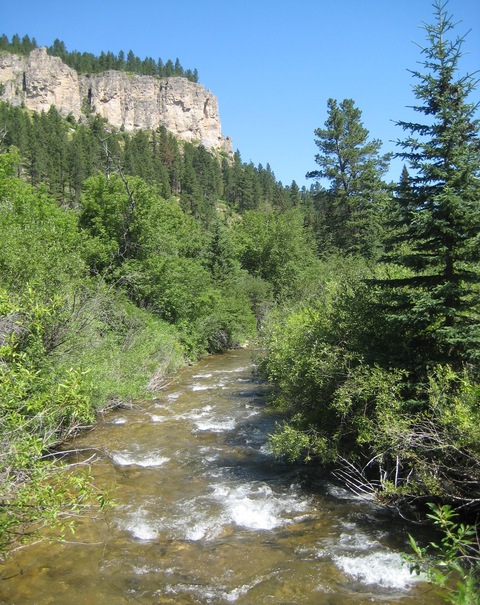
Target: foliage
[164, 261]
[122, 255]
[62, 154]
[127, 252]
[453, 564]
[129, 352]
[353, 208]
[405, 439]
[275, 247]
[59, 332]
[40, 241]
[379, 371]
[39, 406]
[436, 215]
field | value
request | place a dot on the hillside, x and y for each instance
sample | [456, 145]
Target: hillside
[126, 101]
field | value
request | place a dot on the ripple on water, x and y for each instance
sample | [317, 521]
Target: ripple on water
[215, 425]
[365, 560]
[218, 520]
[255, 506]
[251, 506]
[150, 459]
[382, 568]
[202, 387]
[142, 530]
[208, 419]
[159, 418]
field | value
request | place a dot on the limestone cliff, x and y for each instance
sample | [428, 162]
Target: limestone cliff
[132, 102]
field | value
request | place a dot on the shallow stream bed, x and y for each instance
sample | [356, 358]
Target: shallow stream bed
[206, 515]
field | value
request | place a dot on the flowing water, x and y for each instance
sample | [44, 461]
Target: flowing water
[206, 515]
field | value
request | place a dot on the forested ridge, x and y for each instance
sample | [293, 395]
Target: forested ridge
[88, 63]
[123, 255]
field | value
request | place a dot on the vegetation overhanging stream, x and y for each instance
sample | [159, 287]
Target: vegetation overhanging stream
[205, 514]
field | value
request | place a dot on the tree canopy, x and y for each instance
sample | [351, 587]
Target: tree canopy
[353, 206]
[436, 217]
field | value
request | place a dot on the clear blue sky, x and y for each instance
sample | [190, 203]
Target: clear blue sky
[272, 64]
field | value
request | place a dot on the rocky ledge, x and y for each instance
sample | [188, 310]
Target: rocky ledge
[127, 101]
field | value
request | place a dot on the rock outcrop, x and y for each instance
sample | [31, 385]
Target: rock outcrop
[132, 102]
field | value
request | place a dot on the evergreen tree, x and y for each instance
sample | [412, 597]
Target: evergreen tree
[162, 177]
[437, 209]
[177, 69]
[138, 158]
[169, 69]
[130, 64]
[294, 195]
[16, 45]
[58, 49]
[354, 167]
[220, 257]
[191, 196]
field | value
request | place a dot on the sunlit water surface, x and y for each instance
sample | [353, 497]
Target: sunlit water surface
[206, 515]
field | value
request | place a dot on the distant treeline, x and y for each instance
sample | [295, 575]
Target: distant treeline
[88, 63]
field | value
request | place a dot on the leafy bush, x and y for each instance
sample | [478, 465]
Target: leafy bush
[407, 439]
[454, 563]
[39, 407]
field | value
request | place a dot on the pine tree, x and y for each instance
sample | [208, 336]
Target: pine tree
[437, 209]
[353, 165]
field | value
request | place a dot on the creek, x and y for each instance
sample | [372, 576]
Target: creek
[206, 515]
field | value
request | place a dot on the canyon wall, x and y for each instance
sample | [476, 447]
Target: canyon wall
[187, 109]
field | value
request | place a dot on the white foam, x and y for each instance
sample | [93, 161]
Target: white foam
[210, 454]
[202, 375]
[142, 530]
[356, 541]
[203, 530]
[233, 595]
[383, 568]
[196, 413]
[194, 522]
[234, 371]
[119, 421]
[215, 426]
[201, 387]
[205, 419]
[139, 526]
[251, 506]
[158, 418]
[266, 450]
[129, 459]
[257, 507]
[210, 594]
[173, 396]
[161, 406]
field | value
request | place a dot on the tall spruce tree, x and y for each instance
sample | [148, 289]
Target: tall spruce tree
[435, 308]
[354, 166]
